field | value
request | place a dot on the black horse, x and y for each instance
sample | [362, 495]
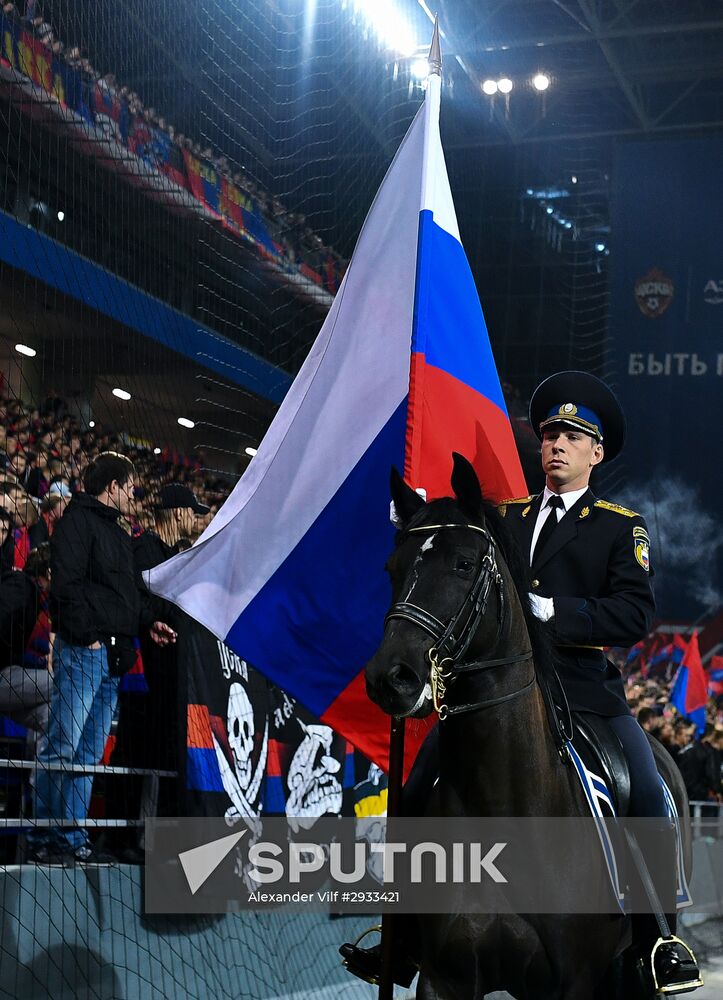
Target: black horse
[460, 601]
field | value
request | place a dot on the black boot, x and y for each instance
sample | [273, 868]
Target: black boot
[674, 967]
[366, 963]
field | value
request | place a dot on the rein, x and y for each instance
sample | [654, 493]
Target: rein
[452, 640]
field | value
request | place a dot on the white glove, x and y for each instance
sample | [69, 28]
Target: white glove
[542, 607]
[394, 517]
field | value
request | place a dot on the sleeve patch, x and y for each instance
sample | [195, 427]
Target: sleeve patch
[641, 548]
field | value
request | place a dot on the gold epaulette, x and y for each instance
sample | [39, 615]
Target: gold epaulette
[503, 503]
[616, 508]
[502, 507]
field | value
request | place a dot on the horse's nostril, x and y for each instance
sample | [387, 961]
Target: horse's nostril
[401, 675]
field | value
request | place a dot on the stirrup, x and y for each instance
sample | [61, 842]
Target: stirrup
[687, 986]
[372, 980]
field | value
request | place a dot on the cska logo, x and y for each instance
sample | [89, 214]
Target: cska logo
[654, 293]
[713, 292]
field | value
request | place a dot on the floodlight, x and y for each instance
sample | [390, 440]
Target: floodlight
[420, 69]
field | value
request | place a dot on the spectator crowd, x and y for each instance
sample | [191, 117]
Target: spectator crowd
[699, 756]
[83, 511]
[291, 229]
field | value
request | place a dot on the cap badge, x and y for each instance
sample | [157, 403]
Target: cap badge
[568, 409]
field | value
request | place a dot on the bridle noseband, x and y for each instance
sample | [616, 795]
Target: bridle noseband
[452, 640]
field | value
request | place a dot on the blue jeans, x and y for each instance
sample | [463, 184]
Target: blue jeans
[82, 704]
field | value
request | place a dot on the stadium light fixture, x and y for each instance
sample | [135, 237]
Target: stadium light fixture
[156, 451]
[389, 25]
[490, 87]
[29, 352]
[505, 85]
[420, 69]
[541, 81]
[61, 216]
[250, 451]
[185, 422]
[573, 179]
[549, 209]
[568, 225]
[122, 394]
[600, 247]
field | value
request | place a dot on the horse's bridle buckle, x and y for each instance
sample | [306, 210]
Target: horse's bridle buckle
[439, 674]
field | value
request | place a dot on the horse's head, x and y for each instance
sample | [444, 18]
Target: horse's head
[447, 593]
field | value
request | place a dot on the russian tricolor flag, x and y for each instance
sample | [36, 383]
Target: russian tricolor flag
[690, 689]
[290, 574]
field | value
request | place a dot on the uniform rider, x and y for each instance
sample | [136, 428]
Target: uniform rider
[590, 577]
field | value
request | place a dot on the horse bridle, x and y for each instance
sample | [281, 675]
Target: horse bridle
[452, 640]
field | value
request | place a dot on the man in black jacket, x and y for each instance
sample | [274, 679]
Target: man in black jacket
[150, 730]
[590, 574]
[96, 609]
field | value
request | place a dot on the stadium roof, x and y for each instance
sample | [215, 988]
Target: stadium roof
[641, 66]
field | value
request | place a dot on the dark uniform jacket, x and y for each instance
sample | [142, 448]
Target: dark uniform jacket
[596, 567]
[93, 589]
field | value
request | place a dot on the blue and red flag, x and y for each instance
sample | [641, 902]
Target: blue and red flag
[690, 688]
[110, 111]
[204, 181]
[202, 772]
[135, 678]
[290, 574]
[715, 676]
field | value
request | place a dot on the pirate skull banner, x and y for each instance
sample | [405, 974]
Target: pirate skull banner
[253, 751]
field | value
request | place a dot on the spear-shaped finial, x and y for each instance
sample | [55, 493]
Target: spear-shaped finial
[435, 53]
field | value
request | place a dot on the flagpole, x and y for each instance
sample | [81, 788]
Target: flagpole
[394, 797]
[396, 734]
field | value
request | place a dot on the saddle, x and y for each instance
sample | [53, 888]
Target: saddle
[602, 753]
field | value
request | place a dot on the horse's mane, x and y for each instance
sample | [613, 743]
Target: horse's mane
[514, 560]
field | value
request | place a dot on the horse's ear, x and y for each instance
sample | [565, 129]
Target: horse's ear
[466, 484]
[406, 501]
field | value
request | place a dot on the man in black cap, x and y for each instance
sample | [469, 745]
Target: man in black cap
[590, 575]
[589, 559]
[175, 516]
